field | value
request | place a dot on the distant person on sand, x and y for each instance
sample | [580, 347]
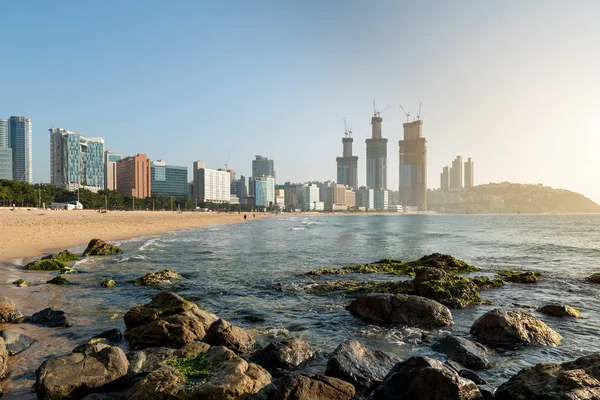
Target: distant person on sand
[253, 215]
[245, 217]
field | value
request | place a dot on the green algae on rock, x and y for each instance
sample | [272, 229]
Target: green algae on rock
[47, 264]
[59, 280]
[108, 283]
[594, 278]
[483, 282]
[196, 367]
[157, 278]
[98, 247]
[518, 276]
[66, 256]
[21, 283]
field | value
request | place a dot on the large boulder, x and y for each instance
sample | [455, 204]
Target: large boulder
[222, 333]
[47, 264]
[98, 247]
[168, 320]
[152, 358]
[507, 327]
[470, 354]
[425, 378]
[363, 367]
[3, 360]
[50, 318]
[559, 310]
[89, 367]
[228, 377]
[450, 290]
[573, 380]
[283, 355]
[401, 309]
[313, 387]
[16, 342]
[163, 277]
[8, 310]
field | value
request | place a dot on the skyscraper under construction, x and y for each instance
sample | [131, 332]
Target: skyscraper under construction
[376, 156]
[347, 165]
[413, 166]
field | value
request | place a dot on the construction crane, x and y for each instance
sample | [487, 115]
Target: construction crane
[376, 112]
[419, 113]
[347, 131]
[227, 161]
[407, 114]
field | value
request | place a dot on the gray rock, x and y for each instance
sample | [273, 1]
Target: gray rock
[283, 355]
[363, 367]
[16, 342]
[8, 310]
[222, 333]
[113, 335]
[49, 318]
[313, 387]
[3, 360]
[425, 378]
[559, 310]
[470, 354]
[505, 327]
[472, 376]
[401, 309]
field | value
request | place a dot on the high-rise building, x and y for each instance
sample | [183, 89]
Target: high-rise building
[469, 182]
[365, 197]
[262, 166]
[308, 198]
[4, 134]
[413, 166]
[6, 158]
[456, 174]
[211, 185]
[19, 139]
[376, 156]
[264, 191]
[445, 179]
[133, 176]
[231, 173]
[76, 161]
[238, 187]
[168, 180]
[381, 199]
[110, 169]
[347, 165]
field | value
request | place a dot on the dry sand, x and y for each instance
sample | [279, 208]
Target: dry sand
[30, 233]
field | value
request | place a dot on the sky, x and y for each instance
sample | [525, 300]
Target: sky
[513, 84]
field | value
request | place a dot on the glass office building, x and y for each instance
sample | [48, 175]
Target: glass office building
[168, 180]
[6, 170]
[19, 139]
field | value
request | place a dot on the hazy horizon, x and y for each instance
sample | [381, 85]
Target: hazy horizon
[505, 83]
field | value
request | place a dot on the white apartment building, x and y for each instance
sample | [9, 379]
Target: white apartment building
[211, 185]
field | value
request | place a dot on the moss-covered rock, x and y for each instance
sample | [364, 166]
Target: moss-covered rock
[444, 262]
[108, 283]
[21, 283]
[594, 278]
[157, 278]
[449, 290]
[59, 280]
[47, 264]
[196, 367]
[98, 247]
[483, 282]
[518, 276]
[66, 256]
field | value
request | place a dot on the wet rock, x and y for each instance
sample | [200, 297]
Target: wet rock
[47, 264]
[425, 378]
[21, 283]
[445, 262]
[16, 342]
[59, 280]
[309, 387]
[401, 309]
[487, 392]
[108, 283]
[504, 327]
[363, 367]
[112, 335]
[229, 377]
[66, 256]
[470, 354]
[49, 318]
[483, 282]
[573, 380]
[150, 359]
[519, 277]
[472, 376]
[222, 333]
[98, 247]
[449, 290]
[559, 310]
[105, 396]
[168, 320]
[3, 359]
[8, 310]
[283, 355]
[89, 367]
[594, 278]
[157, 278]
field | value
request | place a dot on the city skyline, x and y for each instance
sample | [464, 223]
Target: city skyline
[492, 87]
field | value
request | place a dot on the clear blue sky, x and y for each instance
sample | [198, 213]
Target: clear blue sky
[513, 84]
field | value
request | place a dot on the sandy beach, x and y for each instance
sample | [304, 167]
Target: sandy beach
[30, 233]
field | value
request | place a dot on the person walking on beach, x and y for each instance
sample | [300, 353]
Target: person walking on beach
[253, 215]
[245, 217]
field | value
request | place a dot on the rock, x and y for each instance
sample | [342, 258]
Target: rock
[283, 355]
[449, 290]
[89, 367]
[470, 354]
[113, 335]
[227, 377]
[150, 359]
[472, 376]
[157, 278]
[49, 318]
[363, 367]
[444, 262]
[313, 387]
[66, 256]
[519, 277]
[573, 380]
[21, 283]
[16, 342]
[8, 310]
[222, 333]
[47, 264]
[425, 378]
[559, 310]
[98, 247]
[105, 396]
[108, 283]
[59, 280]
[401, 309]
[594, 278]
[3, 359]
[168, 320]
[503, 327]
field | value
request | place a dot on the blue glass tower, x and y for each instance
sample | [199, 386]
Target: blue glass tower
[19, 139]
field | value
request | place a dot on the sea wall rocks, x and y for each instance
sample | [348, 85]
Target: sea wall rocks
[470, 354]
[8, 310]
[504, 327]
[401, 309]
[98, 247]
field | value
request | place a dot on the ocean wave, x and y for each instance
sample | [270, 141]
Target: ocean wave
[297, 228]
